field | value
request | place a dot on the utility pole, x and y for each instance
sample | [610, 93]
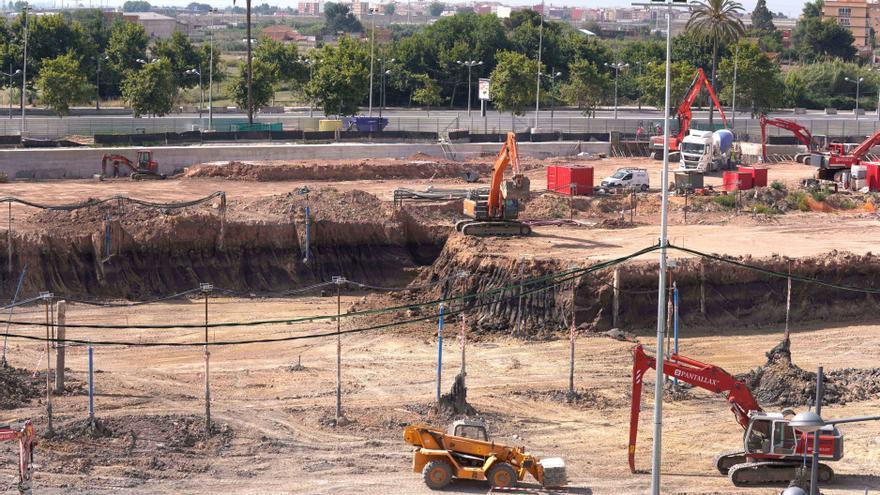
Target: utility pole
[538, 74]
[372, 53]
[469, 64]
[24, 70]
[47, 299]
[733, 103]
[206, 288]
[250, 68]
[616, 66]
[211, 75]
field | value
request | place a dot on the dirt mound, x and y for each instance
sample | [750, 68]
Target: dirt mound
[580, 399]
[172, 432]
[455, 402]
[336, 170]
[18, 387]
[783, 383]
[547, 206]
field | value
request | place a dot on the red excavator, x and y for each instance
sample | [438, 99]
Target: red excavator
[836, 159]
[26, 436]
[144, 168]
[493, 211]
[800, 132]
[772, 450]
[685, 116]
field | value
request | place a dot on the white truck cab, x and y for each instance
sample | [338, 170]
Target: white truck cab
[705, 151]
[628, 178]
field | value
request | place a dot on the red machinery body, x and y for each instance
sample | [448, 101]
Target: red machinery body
[771, 446]
[144, 168]
[685, 115]
[26, 436]
[800, 132]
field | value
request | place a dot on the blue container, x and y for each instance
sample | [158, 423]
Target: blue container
[365, 124]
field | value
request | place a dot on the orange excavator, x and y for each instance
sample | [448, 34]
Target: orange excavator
[493, 211]
[26, 436]
[685, 116]
[144, 168]
[772, 450]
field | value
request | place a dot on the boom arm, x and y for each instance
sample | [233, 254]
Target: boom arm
[866, 146]
[800, 132]
[116, 160]
[507, 156]
[684, 110]
[690, 371]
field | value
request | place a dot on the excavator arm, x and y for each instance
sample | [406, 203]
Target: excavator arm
[866, 145]
[508, 156]
[800, 132]
[684, 114]
[705, 376]
[26, 436]
[116, 160]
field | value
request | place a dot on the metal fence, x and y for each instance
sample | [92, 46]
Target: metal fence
[746, 129]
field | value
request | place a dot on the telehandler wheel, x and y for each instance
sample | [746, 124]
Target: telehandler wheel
[502, 475]
[437, 474]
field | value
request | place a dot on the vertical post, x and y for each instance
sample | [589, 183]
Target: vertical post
[703, 289]
[787, 307]
[211, 75]
[338, 281]
[61, 310]
[9, 237]
[675, 322]
[615, 298]
[538, 75]
[439, 350]
[518, 328]
[463, 341]
[571, 341]
[814, 468]
[308, 227]
[733, 103]
[11, 309]
[372, 52]
[661, 289]
[206, 288]
[24, 71]
[250, 68]
[91, 386]
[47, 299]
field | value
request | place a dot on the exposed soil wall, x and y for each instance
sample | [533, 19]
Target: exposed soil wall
[257, 246]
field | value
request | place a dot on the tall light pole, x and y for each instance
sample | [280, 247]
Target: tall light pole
[552, 76]
[372, 12]
[858, 82]
[469, 64]
[98, 80]
[733, 103]
[616, 66]
[538, 74]
[382, 84]
[661, 282]
[311, 64]
[11, 74]
[211, 75]
[201, 91]
[24, 70]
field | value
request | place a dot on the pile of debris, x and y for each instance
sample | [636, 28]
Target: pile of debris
[17, 387]
[783, 383]
[455, 403]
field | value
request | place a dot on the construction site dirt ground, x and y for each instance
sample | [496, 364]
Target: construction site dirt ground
[274, 432]
[273, 420]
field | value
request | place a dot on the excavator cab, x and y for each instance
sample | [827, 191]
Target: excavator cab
[769, 435]
[145, 158]
[475, 430]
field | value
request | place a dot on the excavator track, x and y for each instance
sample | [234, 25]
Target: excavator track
[726, 460]
[767, 472]
[495, 229]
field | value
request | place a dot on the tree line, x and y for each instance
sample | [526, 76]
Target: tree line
[77, 56]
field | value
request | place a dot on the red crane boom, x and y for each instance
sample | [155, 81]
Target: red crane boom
[684, 113]
[800, 132]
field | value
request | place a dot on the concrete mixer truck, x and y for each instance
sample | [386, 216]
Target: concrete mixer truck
[706, 151]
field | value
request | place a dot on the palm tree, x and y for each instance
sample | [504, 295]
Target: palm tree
[716, 21]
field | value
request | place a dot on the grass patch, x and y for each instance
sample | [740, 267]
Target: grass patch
[779, 186]
[726, 200]
[819, 195]
[765, 210]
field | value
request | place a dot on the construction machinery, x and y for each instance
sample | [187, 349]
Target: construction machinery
[772, 450]
[801, 133]
[493, 211]
[466, 452]
[837, 158]
[685, 116]
[22, 431]
[144, 168]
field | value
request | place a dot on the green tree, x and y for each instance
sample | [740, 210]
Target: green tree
[513, 82]
[127, 44]
[815, 38]
[48, 37]
[338, 18]
[653, 82]
[284, 60]
[389, 8]
[587, 87]
[262, 83]
[341, 77]
[183, 56]
[758, 81]
[762, 18]
[428, 94]
[813, 9]
[150, 90]
[717, 21]
[136, 6]
[436, 8]
[824, 84]
[62, 83]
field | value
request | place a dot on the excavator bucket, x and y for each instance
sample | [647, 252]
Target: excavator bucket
[554, 472]
[516, 188]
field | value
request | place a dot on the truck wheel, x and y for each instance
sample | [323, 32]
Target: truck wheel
[502, 475]
[644, 187]
[437, 474]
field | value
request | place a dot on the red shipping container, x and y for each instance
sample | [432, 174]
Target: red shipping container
[759, 175]
[872, 176]
[567, 180]
[737, 181]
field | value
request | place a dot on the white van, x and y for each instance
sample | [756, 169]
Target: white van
[629, 178]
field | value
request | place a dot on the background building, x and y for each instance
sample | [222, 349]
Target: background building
[852, 14]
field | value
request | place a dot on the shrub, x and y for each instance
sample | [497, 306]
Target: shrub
[798, 200]
[765, 210]
[779, 186]
[726, 201]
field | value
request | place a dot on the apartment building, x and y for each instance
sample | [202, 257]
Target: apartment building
[854, 15]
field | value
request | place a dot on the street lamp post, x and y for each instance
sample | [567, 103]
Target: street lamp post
[733, 102]
[311, 63]
[211, 75]
[538, 75]
[552, 76]
[201, 92]
[10, 75]
[858, 82]
[469, 64]
[250, 68]
[616, 66]
[24, 70]
[382, 84]
[372, 53]
[98, 81]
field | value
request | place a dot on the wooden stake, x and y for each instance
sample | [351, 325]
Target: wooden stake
[338, 281]
[571, 342]
[518, 328]
[787, 307]
[703, 289]
[615, 299]
[47, 297]
[205, 289]
[61, 309]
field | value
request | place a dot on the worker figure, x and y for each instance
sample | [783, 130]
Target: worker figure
[639, 131]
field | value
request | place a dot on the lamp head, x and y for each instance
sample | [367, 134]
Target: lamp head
[807, 421]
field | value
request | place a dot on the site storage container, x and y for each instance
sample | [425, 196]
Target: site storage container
[759, 175]
[872, 175]
[737, 181]
[565, 179]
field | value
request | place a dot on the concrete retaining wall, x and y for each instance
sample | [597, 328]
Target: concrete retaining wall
[78, 163]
